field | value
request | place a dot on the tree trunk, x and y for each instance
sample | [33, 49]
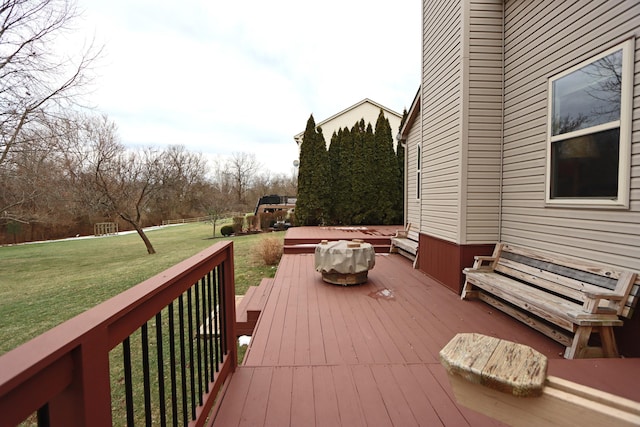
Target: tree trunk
[140, 231]
[146, 240]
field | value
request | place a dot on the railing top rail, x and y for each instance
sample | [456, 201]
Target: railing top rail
[118, 317]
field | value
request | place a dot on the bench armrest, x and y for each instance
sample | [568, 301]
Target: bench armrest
[611, 296]
[482, 262]
[592, 304]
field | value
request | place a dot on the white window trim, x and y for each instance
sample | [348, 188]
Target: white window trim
[625, 124]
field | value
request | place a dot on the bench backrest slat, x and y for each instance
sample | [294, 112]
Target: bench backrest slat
[565, 276]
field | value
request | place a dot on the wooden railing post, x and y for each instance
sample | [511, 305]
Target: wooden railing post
[87, 400]
[230, 312]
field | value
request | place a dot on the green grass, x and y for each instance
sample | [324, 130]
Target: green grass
[44, 284]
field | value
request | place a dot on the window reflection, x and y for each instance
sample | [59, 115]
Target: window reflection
[589, 96]
[586, 166]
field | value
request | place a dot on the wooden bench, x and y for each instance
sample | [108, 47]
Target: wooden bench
[566, 299]
[406, 244]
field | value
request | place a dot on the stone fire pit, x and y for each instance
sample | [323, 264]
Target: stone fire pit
[344, 262]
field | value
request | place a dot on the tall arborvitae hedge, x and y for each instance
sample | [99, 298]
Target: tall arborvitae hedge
[362, 177]
[312, 206]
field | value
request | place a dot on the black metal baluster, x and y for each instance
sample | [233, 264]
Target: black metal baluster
[191, 364]
[172, 359]
[205, 327]
[198, 346]
[43, 416]
[160, 358]
[146, 375]
[223, 299]
[183, 361]
[213, 333]
[216, 304]
[128, 383]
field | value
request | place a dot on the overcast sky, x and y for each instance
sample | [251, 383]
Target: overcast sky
[244, 76]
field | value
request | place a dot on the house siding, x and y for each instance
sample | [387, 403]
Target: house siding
[440, 119]
[483, 121]
[413, 204]
[536, 49]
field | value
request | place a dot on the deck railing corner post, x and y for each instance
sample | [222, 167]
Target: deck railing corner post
[87, 401]
[230, 303]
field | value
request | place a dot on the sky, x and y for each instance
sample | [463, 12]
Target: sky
[244, 76]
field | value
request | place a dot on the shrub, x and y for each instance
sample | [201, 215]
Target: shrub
[252, 222]
[269, 250]
[238, 224]
[226, 230]
[266, 219]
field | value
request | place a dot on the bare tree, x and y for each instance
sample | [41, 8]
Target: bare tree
[183, 177]
[35, 82]
[242, 169]
[112, 179]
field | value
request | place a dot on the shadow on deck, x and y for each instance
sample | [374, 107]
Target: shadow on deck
[368, 355]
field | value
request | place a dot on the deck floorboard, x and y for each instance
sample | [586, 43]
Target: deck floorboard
[361, 355]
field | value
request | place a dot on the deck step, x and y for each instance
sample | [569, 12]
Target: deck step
[249, 309]
[309, 248]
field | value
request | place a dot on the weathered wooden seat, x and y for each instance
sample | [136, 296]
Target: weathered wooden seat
[509, 382]
[405, 243]
[568, 300]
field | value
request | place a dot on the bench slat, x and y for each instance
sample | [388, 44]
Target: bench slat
[557, 334]
[579, 265]
[554, 309]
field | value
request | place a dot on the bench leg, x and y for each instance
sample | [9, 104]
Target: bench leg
[580, 342]
[609, 346]
[580, 346]
[467, 291]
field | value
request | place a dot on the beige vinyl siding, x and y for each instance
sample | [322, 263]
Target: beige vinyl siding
[413, 204]
[542, 39]
[441, 114]
[483, 121]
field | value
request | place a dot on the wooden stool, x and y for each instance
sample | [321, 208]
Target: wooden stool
[509, 382]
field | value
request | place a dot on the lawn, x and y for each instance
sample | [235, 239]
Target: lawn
[44, 284]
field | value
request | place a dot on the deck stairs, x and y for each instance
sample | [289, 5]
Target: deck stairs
[249, 308]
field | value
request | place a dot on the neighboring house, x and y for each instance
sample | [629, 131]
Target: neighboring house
[365, 109]
[526, 129]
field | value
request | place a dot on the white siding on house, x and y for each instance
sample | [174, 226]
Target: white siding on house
[413, 204]
[482, 120]
[542, 39]
[440, 119]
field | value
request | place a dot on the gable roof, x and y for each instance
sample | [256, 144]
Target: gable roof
[389, 113]
[414, 113]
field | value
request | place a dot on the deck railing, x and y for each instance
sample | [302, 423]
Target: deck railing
[157, 354]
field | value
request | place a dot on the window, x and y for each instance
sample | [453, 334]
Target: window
[589, 131]
[418, 174]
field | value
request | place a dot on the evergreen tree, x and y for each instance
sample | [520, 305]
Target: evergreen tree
[344, 210]
[359, 174]
[386, 168]
[358, 181]
[335, 165]
[313, 177]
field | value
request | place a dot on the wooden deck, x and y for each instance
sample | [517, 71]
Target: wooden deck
[363, 355]
[303, 239]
